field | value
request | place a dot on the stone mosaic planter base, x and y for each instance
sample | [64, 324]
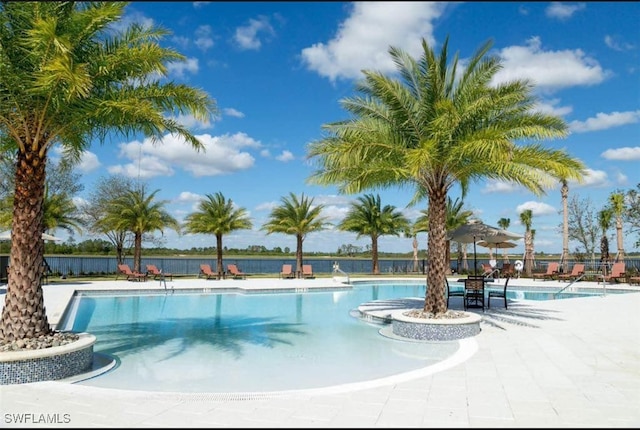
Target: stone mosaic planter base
[435, 329]
[49, 364]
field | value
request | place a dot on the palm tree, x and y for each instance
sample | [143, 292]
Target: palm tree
[564, 192]
[69, 77]
[526, 217]
[367, 217]
[298, 217]
[433, 128]
[605, 217]
[60, 212]
[504, 224]
[137, 212]
[218, 216]
[616, 200]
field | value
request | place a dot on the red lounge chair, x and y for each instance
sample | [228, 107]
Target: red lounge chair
[551, 273]
[124, 269]
[235, 272]
[576, 272]
[617, 273]
[205, 270]
[307, 271]
[152, 270]
[287, 272]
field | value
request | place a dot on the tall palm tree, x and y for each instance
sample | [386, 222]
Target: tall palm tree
[526, 218]
[605, 216]
[367, 217]
[138, 212]
[616, 200]
[504, 224]
[433, 128]
[69, 77]
[218, 216]
[298, 217]
[564, 193]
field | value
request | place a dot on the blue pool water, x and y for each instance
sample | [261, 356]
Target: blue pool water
[246, 342]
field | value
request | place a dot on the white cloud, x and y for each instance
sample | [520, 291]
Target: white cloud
[181, 41]
[549, 107]
[622, 179]
[189, 197]
[537, 208]
[203, 37]
[191, 122]
[233, 112]
[604, 121]
[223, 155]
[493, 186]
[622, 154]
[549, 70]
[88, 162]
[285, 156]
[363, 39]
[592, 178]
[613, 43]
[563, 11]
[247, 37]
[179, 69]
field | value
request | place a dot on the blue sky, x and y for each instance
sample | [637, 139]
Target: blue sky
[277, 71]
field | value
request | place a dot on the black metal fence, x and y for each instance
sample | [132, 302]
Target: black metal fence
[75, 266]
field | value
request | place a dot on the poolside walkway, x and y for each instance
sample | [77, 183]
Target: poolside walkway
[556, 363]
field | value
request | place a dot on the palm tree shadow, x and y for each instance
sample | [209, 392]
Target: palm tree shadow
[519, 314]
[227, 335]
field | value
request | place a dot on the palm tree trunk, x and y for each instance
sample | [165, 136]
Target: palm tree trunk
[137, 252]
[565, 228]
[299, 256]
[415, 253]
[219, 256]
[24, 315]
[374, 255]
[528, 257]
[620, 240]
[435, 301]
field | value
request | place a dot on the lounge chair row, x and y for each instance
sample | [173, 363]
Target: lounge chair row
[617, 273]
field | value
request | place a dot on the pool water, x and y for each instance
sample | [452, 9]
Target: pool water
[246, 342]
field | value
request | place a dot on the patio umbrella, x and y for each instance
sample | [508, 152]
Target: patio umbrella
[7, 236]
[475, 231]
[498, 245]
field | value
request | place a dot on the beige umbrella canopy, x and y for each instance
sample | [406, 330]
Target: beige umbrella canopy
[498, 245]
[475, 231]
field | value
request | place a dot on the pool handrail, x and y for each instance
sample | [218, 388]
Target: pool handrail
[567, 286]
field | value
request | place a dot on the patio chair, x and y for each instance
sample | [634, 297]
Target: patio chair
[207, 272]
[452, 293]
[152, 270]
[473, 293]
[551, 273]
[617, 273]
[235, 272]
[287, 272]
[124, 269]
[576, 272]
[507, 269]
[634, 280]
[499, 293]
[307, 271]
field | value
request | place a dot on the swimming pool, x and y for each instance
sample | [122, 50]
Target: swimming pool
[246, 342]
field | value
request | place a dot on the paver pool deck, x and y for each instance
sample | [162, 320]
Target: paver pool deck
[555, 363]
